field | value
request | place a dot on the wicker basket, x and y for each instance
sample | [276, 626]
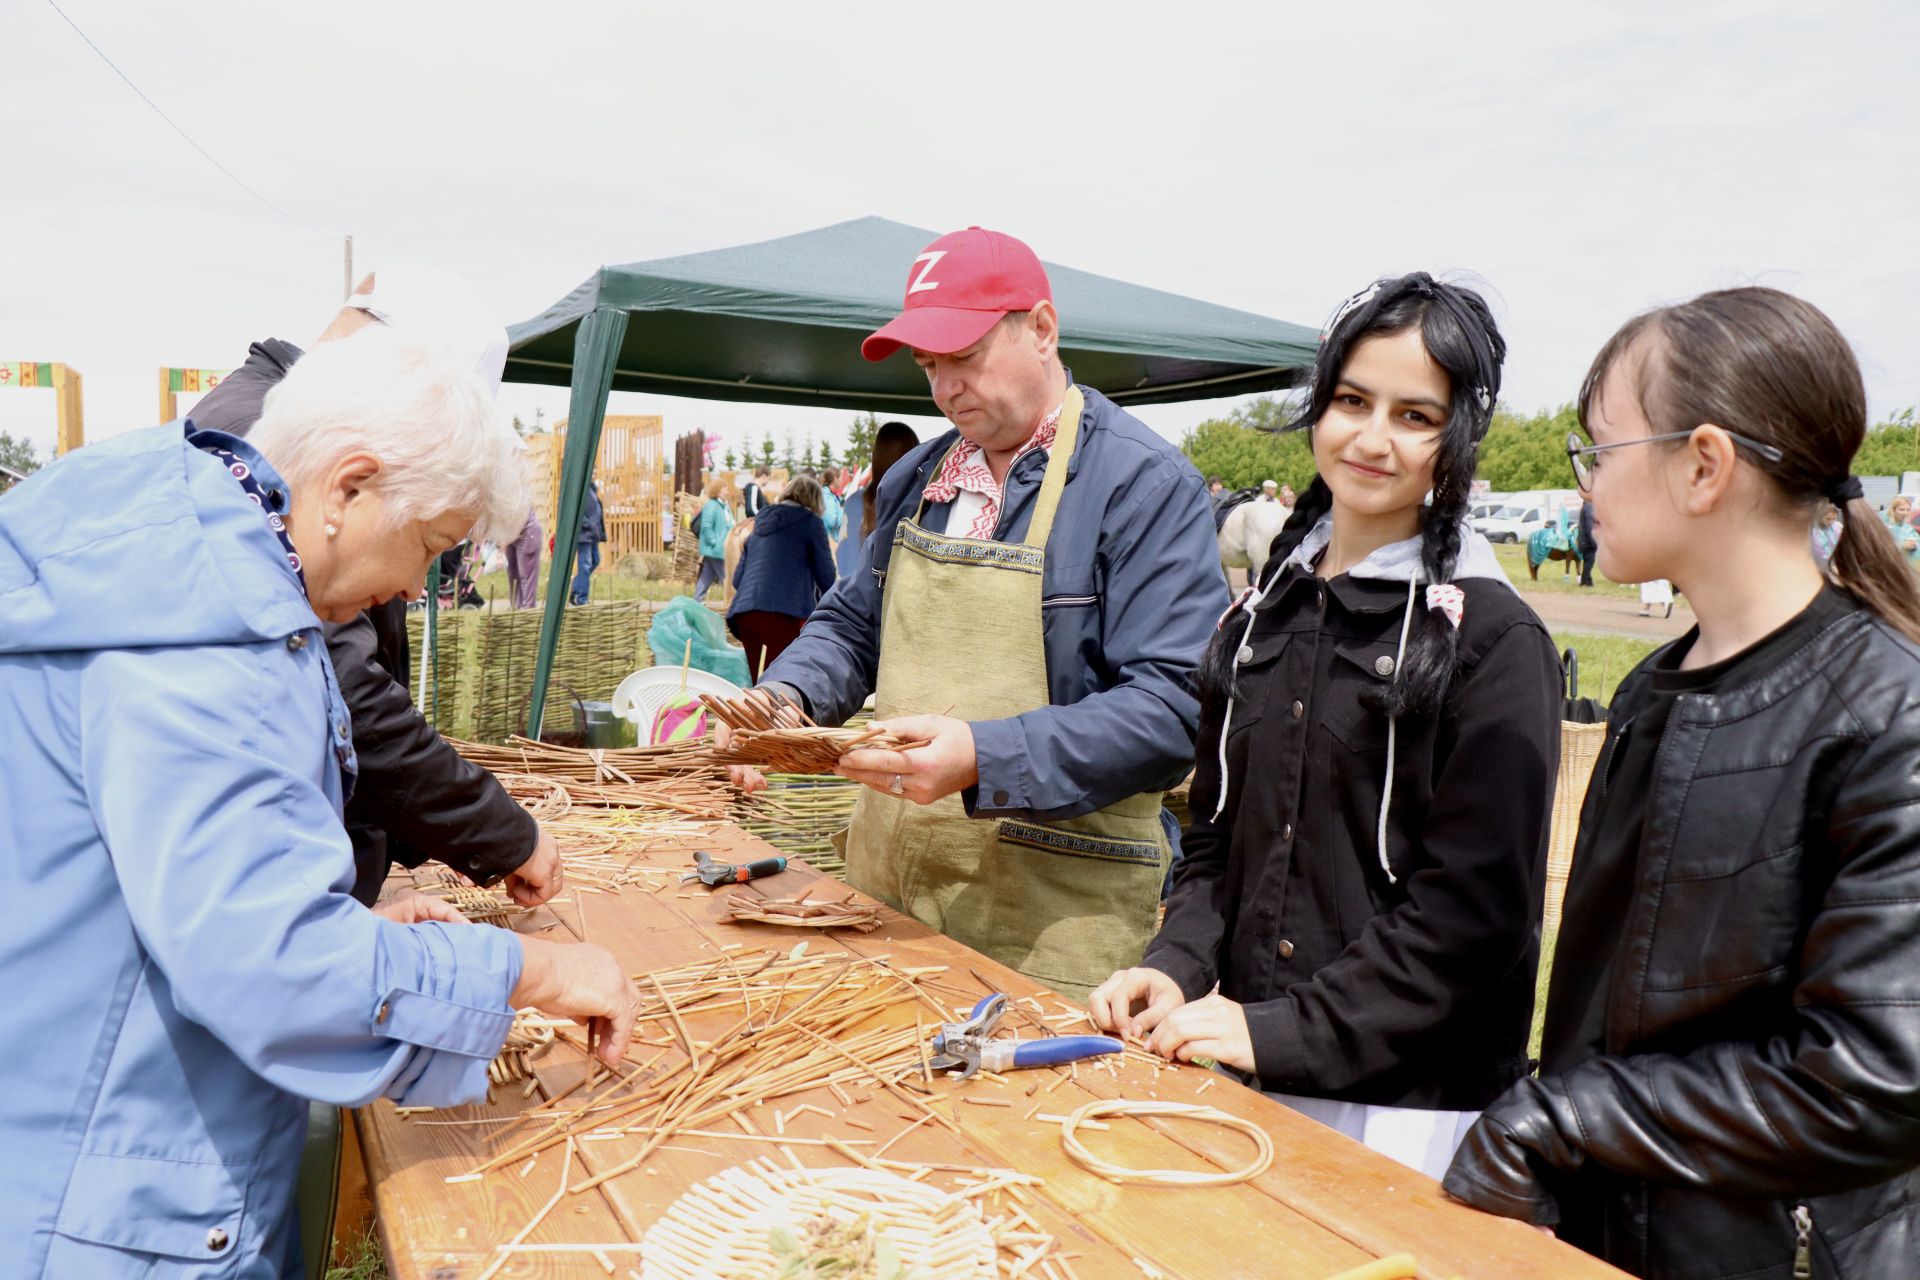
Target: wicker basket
[686, 543]
[1579, 748]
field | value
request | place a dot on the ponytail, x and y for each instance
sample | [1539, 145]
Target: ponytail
[1774, 368]
[1868, 564]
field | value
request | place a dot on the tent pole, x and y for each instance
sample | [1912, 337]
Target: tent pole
[596, 346]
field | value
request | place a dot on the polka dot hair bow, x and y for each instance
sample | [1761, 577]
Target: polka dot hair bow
[1233, 608]
[1449, 600]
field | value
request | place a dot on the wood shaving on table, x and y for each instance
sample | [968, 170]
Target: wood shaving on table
[796, 913]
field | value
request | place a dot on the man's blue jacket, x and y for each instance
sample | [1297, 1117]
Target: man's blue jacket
[1132, 589]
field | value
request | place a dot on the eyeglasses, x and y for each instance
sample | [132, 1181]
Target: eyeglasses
[1578, 450]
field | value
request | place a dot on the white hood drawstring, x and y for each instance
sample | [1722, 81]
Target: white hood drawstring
[1248, 602]
[1393, 726]
[1391, 564]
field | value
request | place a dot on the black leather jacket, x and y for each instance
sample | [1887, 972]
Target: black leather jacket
[1758, 1102]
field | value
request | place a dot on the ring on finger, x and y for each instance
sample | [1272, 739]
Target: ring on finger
[898, 786]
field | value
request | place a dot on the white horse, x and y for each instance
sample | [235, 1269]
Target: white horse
[1248, 534]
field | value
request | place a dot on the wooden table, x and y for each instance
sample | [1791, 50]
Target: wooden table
[1327, 1203]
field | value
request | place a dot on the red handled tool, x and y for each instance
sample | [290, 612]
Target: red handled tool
[714, 874]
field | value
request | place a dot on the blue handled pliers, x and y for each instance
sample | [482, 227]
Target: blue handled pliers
[964, 1047]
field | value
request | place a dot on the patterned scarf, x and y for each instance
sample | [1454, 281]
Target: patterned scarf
[965, 468]
[243, 474]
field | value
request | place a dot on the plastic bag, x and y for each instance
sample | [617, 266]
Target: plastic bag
[685, 619]
[681, 719]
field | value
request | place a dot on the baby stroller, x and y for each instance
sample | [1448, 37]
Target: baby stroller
[457, 590]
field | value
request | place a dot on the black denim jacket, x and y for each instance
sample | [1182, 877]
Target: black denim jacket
[1413, 993]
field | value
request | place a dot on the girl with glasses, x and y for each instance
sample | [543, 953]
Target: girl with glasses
[1730, 1076]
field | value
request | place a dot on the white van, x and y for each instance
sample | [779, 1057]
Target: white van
[1522, 515]
[1515, 521]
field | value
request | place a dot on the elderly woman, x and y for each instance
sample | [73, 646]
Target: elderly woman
[179, 941]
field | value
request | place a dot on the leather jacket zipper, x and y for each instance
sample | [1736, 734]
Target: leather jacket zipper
[1612, 752]
[1802, 1242]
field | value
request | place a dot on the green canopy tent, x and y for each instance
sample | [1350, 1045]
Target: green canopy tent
[780, 322]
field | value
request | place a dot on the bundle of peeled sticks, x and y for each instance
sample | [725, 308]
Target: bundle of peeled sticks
[786, 740]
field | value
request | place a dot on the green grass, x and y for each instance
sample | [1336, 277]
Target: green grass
[364, 1261]
[606, 584]
[1540, 983]
[1604, 660]
[1513, 558]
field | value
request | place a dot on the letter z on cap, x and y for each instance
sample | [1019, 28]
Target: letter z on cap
[958, 289]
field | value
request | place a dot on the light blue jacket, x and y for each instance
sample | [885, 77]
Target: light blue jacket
[713, 522]
[181, 960]
[833, 513]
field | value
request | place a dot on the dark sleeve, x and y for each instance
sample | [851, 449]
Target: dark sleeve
[236, 404]
[413, 785]
[820, 556]
[1187, 948]
[740, 565]
[1161, 590]
[1830, 1099]
[831, 668]
[1470, 908]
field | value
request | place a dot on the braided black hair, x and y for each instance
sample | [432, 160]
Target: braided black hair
[1460, 335]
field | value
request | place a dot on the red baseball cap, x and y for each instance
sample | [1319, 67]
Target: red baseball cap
[957, 289]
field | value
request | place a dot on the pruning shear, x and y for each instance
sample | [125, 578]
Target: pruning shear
[965, 1048]
[714, 874]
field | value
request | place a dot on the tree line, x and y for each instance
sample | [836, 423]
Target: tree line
[821, 457]
[1521, 451]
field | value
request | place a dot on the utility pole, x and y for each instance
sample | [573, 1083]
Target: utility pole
[348, 291]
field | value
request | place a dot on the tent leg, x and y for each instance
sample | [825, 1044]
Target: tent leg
[596, 346]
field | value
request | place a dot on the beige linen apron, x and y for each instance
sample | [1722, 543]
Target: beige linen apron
[1067, 902]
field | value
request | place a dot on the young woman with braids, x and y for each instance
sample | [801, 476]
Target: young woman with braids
[1730, 1073]
[1378, 735]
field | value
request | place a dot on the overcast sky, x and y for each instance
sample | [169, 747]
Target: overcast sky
[1579, 161]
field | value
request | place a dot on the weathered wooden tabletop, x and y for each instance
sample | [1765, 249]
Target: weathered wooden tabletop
[1327, 1203]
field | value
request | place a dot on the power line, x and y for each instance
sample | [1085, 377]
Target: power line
[231, 175]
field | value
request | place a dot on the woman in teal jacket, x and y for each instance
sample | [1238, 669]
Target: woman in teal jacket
[179, 932]
[712, 525]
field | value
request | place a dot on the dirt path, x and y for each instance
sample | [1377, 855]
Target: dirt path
[1606, 615]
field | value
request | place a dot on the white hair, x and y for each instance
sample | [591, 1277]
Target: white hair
[429, 420]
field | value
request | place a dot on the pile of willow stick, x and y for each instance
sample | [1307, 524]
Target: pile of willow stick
[803, 1023]
[853, 1026]
[553, 781]
[787, 741]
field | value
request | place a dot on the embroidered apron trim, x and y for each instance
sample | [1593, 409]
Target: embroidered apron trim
[1007, 555]
[1078, 844]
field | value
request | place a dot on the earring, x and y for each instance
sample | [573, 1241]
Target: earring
[332, 529]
